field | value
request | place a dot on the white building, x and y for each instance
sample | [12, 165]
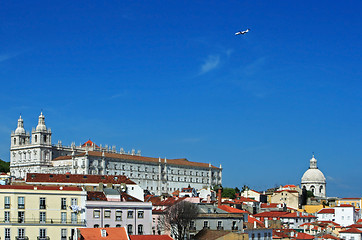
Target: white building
[314, 180]
[326, 214]
[351, 234]
[35, 154]
[345, 215]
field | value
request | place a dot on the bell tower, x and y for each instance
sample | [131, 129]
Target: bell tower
[41, 139]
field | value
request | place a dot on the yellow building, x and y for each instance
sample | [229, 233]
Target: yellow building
[41, 212]
[356, 202]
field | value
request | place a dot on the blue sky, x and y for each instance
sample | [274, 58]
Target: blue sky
[171, 79]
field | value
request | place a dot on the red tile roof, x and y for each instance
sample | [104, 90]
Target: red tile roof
[300, 235]
[329, 236]
[150, 237]
[112, 233]
[76, 178]
[298, 215]
[231, 209]
[156, 200]
[270, 205]
[180, 161]
[351, 230]
[271, 214]
[96, 196]
[290, 186]
[253, 219]
[89, 143]
[36, 187]
[287, 190]
[355, 226]
[326, 210]
[345, 205]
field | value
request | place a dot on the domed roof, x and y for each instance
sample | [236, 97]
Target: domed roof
[20, 129]
[41, 124]
[313, 174]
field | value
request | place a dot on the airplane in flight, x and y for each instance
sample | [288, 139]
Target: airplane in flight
[242, 32]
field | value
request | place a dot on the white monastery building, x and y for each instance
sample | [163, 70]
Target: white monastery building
[35, 153]
[314, 180]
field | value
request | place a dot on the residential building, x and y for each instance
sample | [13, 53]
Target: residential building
[290, 198]
[88, 182]
[356, 202]
[345, 214]
[326, 214]
[35, 153]
[41, 212]
[351, 234]
[105, 210]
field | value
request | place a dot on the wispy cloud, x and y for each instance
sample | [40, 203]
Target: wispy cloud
[255, 66]
[4, 57]
[210, 63]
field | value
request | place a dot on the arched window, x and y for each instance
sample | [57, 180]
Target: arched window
[320, 189]
[14, 141]
[96, 226]
[118, 225]
[106, 226]
[130, 229]
[36, 138]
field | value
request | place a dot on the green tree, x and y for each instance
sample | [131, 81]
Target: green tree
[228, 193]
[310, 194]
[4, 166]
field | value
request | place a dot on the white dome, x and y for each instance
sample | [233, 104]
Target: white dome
[313, 175]
[20, 129]
[41, 124]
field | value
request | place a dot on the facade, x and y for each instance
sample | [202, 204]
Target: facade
[314, 180]
[351, 234]
[326, 214]
[345, 215]
[39, 212]
[35, 153]
[104, 212]
[290, 198]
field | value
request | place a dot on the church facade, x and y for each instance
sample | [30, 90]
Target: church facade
[35, 153]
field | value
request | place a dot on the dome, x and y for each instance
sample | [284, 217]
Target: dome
[41, 124]
[20, 129]
[313, 175]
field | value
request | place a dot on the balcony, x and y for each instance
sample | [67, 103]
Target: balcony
[7, 206]
[43, 238]
[193, 228]
[21, 206]
[235, 228]
[44, 222]
[42, 206]
[21, 238]
[220, 228]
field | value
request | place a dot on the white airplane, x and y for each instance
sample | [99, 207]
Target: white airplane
[242, 32]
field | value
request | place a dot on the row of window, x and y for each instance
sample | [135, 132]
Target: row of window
[42, 217]
[118, 214]
[140, 230]
[42, 202]
[42, 234]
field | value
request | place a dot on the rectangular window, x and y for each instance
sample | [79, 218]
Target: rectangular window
[130, 229]
[74, 201]
[63, 217]
[7, 234]
[140, 214]
[140, 229]
[21, 233]
[21, 217]
[107, 213]
[96, 213]
[42, 234]
[206, 224]
[74, 217]
[118, 215]
[7, 216]
[63, 235]
[21, 202]
[42, 217]
[130, 214]
[42, 203]
[7, 202]
[219, 224]
[63, 204]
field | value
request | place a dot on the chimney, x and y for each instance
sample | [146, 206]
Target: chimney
[219, 196]
[254, 224]
[266, 223]
[208, 198]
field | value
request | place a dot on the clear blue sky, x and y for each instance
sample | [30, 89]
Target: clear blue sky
[172, 79]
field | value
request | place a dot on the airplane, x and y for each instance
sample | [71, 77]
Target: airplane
[242, 32]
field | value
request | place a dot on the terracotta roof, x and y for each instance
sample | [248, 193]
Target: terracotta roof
[287, 190]
[207, 234]
[326, 210]
[96, 196]
[89, 143]
[270, 205]
[329, 236]
[251, 220]
[112, 233]
[156, 200]
[300, 235]
[271, 214]
[353, 198]
[77, 178]
[128, 198]
[345, 205]
[231, 209]
[351, 230]
[355, 226]
[36, 187]
[150, 237]
[279, 234]
[180, 161]
[290, 186]
[359, 220]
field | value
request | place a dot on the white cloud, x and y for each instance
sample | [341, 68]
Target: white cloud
[210, 63]
[4, 57]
